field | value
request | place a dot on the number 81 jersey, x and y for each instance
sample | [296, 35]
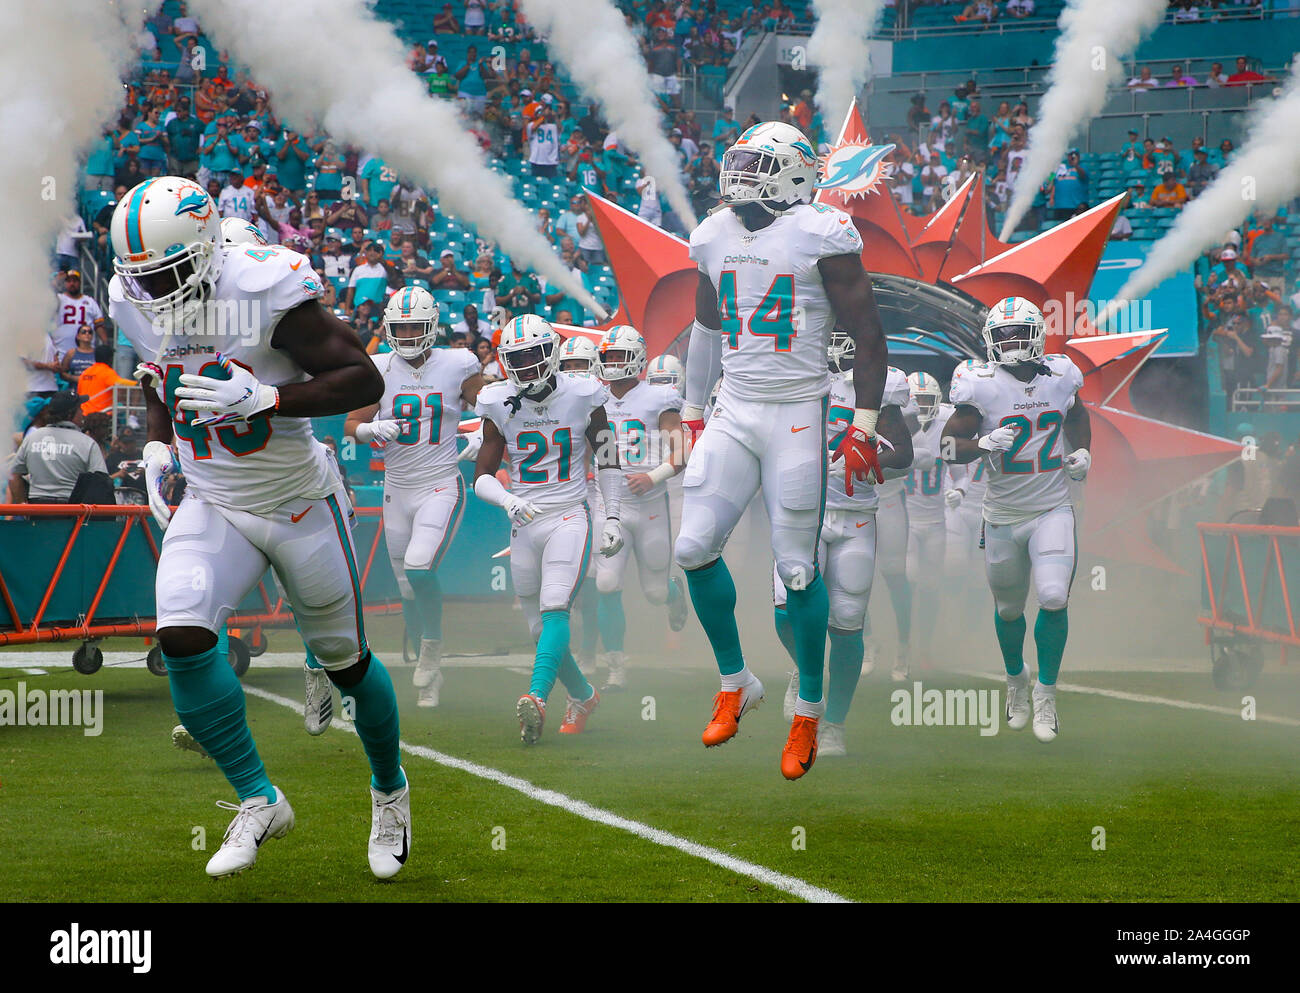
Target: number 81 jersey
[776, 318]
[426, 402]
[1028, 479]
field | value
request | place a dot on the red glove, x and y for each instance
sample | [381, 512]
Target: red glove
[858, 450]
[692, 426]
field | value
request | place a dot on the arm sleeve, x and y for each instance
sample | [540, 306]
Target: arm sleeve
[703, 364]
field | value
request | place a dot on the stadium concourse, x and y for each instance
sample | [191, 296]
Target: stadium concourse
[620, 809]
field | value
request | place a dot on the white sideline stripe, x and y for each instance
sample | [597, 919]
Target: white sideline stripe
[580, 808]
[1162, 700]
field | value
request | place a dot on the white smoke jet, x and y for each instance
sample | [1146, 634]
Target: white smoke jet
[592, 41]
[839, 49]
[60, 83]
[1096, 36]
[1264, 174]
[332, 61]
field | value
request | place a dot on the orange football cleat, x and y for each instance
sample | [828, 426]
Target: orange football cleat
[576, 714]
[800, 750]
[729, 706]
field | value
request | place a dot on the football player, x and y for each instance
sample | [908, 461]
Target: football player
[848, 545]
[775, 272]
[1019, 411]
[647, 420]
[666, 370]
[892, 533]
[415, 422]
[579, 355]
[925, 505]
[546, 424]
[240, 356]
[964, 502]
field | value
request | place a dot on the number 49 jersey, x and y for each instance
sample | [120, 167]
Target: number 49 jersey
[256, 465]
[546, 442]
[776, 317]
[426, 401]
[1028, 479]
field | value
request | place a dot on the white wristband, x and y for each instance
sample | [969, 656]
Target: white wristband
[489, 489]
[661, 473]
[865, 420]
[690, 413]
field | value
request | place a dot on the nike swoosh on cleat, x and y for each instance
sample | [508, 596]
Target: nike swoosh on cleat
[406, 850]
[805, 766]
[262, 837]
[295, 518]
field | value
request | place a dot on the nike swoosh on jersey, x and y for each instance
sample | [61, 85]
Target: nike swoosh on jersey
[862, 525]
[294, 266]
[795, 430]
[295, 518]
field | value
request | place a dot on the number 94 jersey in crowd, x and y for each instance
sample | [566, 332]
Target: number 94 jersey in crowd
[426, 402]
[776, 317]
[546, 442]
[1028, 479]
[259, 464]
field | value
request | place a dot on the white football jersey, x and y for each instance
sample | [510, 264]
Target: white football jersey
[546, 442]
[973, 478]
[426, 402]
[929, 476]
[1028, 479]
[635, 419]
[259, 464]
[776, 317]
[72, 312]
[839, 415]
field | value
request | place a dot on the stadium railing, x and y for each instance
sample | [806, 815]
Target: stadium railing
[1245, 587]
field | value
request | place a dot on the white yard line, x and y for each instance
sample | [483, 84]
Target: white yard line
[1163, 701]
[579, 808]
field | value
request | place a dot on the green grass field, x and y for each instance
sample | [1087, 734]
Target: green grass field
[1195, 806]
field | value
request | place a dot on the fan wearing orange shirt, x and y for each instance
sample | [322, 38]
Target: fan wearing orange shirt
[97, 382]
[1169, 192]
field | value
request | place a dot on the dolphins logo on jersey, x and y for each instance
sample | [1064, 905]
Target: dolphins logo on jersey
[855, 170]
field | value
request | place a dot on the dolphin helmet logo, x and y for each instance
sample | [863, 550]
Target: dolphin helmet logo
[194, 201]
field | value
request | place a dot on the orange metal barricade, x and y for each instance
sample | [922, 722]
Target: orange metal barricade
[1268, 592]
[275, 612]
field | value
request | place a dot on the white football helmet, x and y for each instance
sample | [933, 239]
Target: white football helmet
[411, 321]
[579, 356]
[666, 370]
[529, 352]
[622, 353]
[927, 393]
[841, 350]
[771, 164]
[167, 247]
[1014, 332]
[237, 231]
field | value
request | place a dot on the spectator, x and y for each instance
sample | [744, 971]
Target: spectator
[918, 113]
[447, 276]
[1020, 8]
[475, 17]
[726, 129]
[74, 310]
[444, 22]
[590, 245]
[663, 61]
[376, 180]
[1266, 254]
[471, 81]
[518, 292]
[347, 214]
[369, 280]
[1069, 188]
[1217, 76]
[802, 112]
[1277, 339]
[705, 171]
[649, 209]
[471, 325]
[80, 357]
[334, 263]
[184, 135]
[52, 457]
[97, 382]
[1122, 229]
[1168, 192]
[1143, 81]
[1179, 78]
[545, 226]
[186, 28]
[543, 136]
[1201, 172]
[1227, 273]
[1245, 75]
[236, 199]
[976, 132]
[932, 176]
[1235, 349]
[329, 173]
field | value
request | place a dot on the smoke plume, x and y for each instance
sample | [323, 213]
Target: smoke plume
[839, 49]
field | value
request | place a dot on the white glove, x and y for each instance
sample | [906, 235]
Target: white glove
[952, 498]
[221, 400]
[999, 439]
[158, 464]
[380, 431]
[519, 510]
[473, 442]
[150, 374]
[1077, 463]
[611, 538]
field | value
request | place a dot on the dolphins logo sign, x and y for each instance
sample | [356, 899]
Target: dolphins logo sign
[193, 201]
[854, 170]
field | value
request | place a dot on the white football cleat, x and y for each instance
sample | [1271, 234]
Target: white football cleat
[586, 665]
[868, 658]
[390, 830]
[431, 694]
[531, 711]
[902, 665]
[182, 739]
[427, 664]
[318, 708]
[791, 696]
[830, 739]
[617, 664]
[1018, 703]
[1045, 727]
[255, 821]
